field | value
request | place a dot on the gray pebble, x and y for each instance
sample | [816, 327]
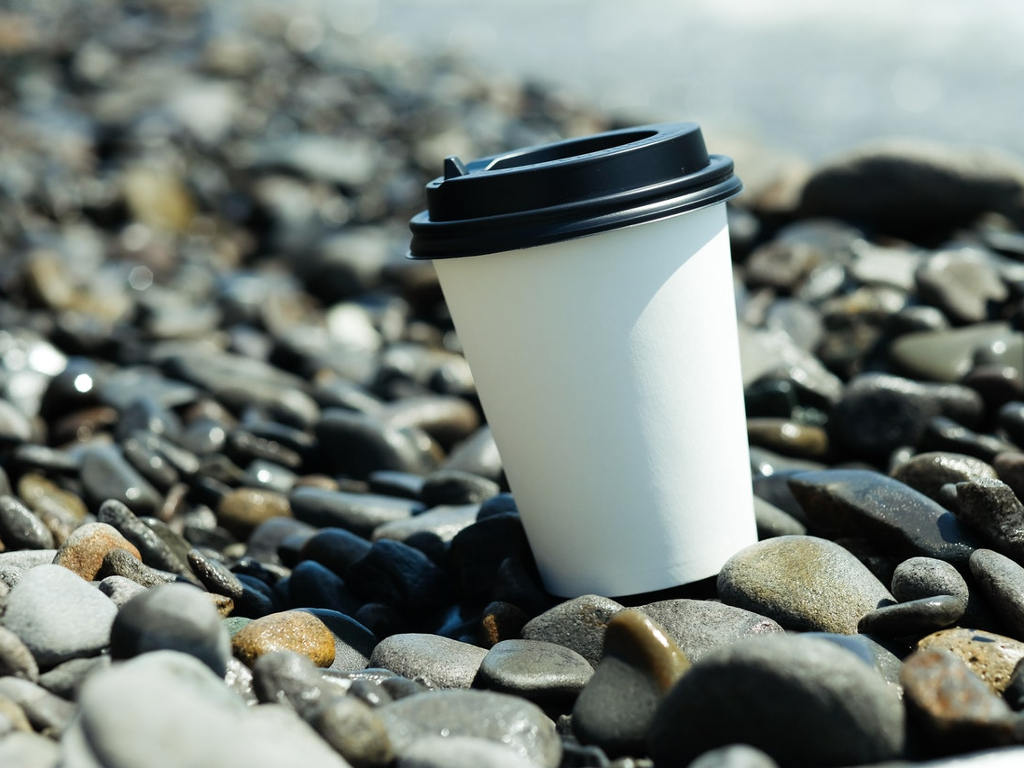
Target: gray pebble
[67, 678]
[441, 523]
[16, 659]
[354, 730]
[961, 283]
[916, 617]
[734, 756]
[120, 589]
[360, 513]
[1001, 580]
[450, 487]
[118, 562]
[991, 507]
[578, 624]
[946, 355]
[27, 558]
[802, 701]
[460, 752]
[353, 643]
[802, 582]
[29, 750]
[58, 615]
[154, 550]
[44, 710]
[920, 577]
[288, 678]
[175, 617]
[542, 672]
[510, 721]
[697, 626]
[477, 454]
[214, 575]
[928, 472]
[772, 521]
[20, 528]
[439, 661]
[106, 475]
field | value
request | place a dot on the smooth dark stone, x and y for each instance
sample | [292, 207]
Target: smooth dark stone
[391, 483]
[264, 542]
[356, 444]
[997, 384]
[154, 550]
[446, 418]
[183, 460]
[943, 434]
[117, 562]
[802, 701]
[992, 508]
[49, 460]
[894, 515]
[150, 464]
[770, 397]
[399, 575]
[1010, 468]
[1011, 421]
[774, 489]
[772, 521]
[148, 415]
[478, 550]
[214, 575]
[430, 531]
[354, 730]
[264, 474]
[106, 475]
[788, 438]
[518, 582]
[360, 513]
[452, 487]
[346, 395]
[497, 505]
[578, 624]
[243, 448]
[335, 548]
[311, 585]
[916, 617]
[20, 528]
[879, 413]
[764, 462]
[290, 679]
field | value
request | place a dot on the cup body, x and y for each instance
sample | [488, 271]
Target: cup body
[608, 370]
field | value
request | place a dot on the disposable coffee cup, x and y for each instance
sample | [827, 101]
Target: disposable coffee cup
[590, 285]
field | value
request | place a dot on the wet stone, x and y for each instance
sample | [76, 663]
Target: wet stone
[214, 575]
[962, 283]
[802, 582]
[946, 355]
[800, 700]
[20, 528]
[990, 656]
[544, 673]
[928, 472]
[1011, 420]
[578, 624]
[923, 577]
[954, 710]
[915, 617]
[698, 626]
[440, 662]
[640, 664]
[898, 518]
[286, 631]
[360, 513]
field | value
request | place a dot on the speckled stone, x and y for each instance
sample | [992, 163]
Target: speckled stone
[639, 666]
[928, 472]
[915, 617]
[802, 582]
[440, 662]
[541, 672]
[243, 509]
[354, 730]
[990, 656]
[697, 626]
[297, 631]
[991, 507]
[85, 548]
[803, 701]
[578, 624]
[920, 577]
[951, 707]
[510, 721]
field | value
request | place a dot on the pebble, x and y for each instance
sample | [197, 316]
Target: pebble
[863, 503]
[952, 708]
[946, 355]
[46, 711]
[214, 575]
[640, 664]
[445, 418]
[357, 444]
[359, 513]
[928, 472]
[450, 487]
[312, 584]
[28, 750]
[438, 524]
[84, 550]
[772, 521]
[174, 617]
[800, 700]
[105, 474]
[67, 678]
[120, 589]
[734, 756]
[923, 577]
[400, 576]
[990, 656]
[353, 643]
[118, 562]
[122, 714]
[20, 528]
[944, 434]
[578, 624]
[512, 722]
[914, 617]
[992, 508]
[477, 454]
[1011, 419]
[297, 631]
[1001, 581]
[16, 660]
[460, 752]
[243, 509]
[477, 551]
[335, 548]
[788, 438]
[1010, 468]
[440, 662]
[354, 730]
[962, 283]
[802, 582]
[544, 673]
[57, 615]
[290, 679]
[153, 550]
[698, 626]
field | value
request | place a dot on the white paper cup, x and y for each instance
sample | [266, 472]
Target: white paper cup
[608, 368]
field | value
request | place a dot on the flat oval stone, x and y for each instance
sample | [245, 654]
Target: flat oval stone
[335, 548]
[84, 550]
[174, 617]
[788, 437]
[285, 631]
[439, 661]
[856, 502]
[244, 509]
[446, 418]
[991, 507]
[928, 472]
[536, 670]
[916, 617]
[955, 710]
[441, 524]
[1001, 580]
[106, 474]
[477, 454]
[990, 656]
[578, 624]
[945, 355]
[697, 626]
[153, 550]
[772, 521]
[803, 701]
[945, 434]
[510, 721]
[802, 582]
[57, 615]
[353, 643]
[921, 577]
[360, 513]
[447, 487]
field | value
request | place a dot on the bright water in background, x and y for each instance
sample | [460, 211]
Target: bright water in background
[811, 77]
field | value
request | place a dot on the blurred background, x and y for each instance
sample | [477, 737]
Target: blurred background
[810, 78]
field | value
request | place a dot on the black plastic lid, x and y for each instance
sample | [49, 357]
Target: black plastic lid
[569, 189]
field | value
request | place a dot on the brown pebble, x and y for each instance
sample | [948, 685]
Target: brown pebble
[285, 631]
[990, 656]
[788, 437]
[243, 509]
[636, 639]
[85, 548]
[60, 510]
[224, 605]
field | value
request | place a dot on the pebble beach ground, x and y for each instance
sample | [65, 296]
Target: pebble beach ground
[251, 513]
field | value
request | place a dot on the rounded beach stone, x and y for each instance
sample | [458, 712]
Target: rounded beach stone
[438, 661]
[578, 624]
[57, 615]
[83, 551]
[354, 730]
[928, 472]
[16, 660]
[734, 756]
[992, 508]
[990, 656]
[46, 711]
[20, 528]
[289, 678]
[510, 721]
[697, 626]
[243, 509]
[915, 617]
[920, 577]
[802, 582]
[802, 701]
[1001, 580]
[297, 631]
[174, 617]
[460, 752]
[536, 670]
